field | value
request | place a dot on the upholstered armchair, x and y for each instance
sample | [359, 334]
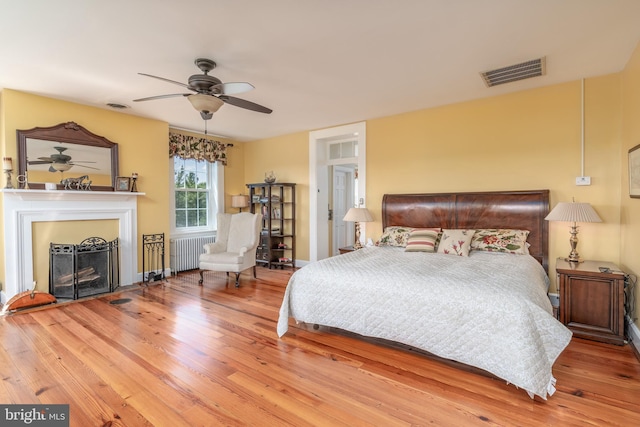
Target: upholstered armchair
[235, 247]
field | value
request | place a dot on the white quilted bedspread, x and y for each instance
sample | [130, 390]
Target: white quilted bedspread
[489, 310]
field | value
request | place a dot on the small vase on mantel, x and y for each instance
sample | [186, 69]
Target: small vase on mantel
[269, 177]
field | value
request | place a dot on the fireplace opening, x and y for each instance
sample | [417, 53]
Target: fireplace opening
[90, 268]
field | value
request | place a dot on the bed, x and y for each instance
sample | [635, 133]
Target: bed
[487, 310]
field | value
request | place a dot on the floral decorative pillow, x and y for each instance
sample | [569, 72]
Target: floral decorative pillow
[501, 240]
[394, 236]
[455, 242]
[422, 240]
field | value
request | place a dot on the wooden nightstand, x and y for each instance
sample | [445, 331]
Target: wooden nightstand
[592, 301]
[346, 249]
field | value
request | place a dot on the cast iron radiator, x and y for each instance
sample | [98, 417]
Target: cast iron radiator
[185, 252]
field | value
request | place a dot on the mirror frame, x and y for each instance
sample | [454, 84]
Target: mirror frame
[70, 133]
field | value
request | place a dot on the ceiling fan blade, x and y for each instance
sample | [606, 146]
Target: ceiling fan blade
[231, 88]
[83, 166]
[243, 103]
[173, 95]
[166, 80]
[40, 162]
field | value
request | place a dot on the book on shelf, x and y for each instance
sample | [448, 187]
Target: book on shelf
[274, 199]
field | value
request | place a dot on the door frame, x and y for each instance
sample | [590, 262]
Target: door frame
[319, 182]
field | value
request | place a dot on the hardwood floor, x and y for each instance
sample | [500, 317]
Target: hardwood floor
[183, 355]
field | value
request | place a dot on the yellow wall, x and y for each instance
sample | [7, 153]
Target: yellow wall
[525, 140]
[630, 208]
[142, 145]
[288, 158]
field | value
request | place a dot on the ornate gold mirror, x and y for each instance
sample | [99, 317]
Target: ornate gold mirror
[66, 151]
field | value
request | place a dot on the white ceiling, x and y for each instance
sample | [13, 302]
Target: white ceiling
[315, 63]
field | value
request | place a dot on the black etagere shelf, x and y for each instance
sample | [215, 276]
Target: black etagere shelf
[276, 202]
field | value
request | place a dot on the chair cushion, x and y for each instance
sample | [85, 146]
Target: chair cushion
[223, 258]
[242, 232]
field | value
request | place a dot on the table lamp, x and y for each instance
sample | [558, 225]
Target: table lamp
[358, 215]
[240, 201]
[573, 212]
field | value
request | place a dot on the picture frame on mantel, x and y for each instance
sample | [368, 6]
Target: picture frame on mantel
[634, 172]
[123, 183]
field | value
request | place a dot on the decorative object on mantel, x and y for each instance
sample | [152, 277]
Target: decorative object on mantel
[79, 183]
[23, 181]
[269, 177]
[28, 299]
[36, 145]
[7, 165]
[134, 178]
[123, 183]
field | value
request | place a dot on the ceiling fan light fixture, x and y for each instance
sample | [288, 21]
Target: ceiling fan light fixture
[206, 104]
[61, 167]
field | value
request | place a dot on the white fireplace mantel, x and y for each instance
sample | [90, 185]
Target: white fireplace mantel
[22, 208]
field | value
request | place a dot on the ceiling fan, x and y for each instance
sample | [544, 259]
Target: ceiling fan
[59, 162]
[210, 93]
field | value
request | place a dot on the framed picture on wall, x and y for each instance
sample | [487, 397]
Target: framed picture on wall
[634, 172]
[123, 183]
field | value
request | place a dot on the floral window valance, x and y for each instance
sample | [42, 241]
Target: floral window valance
[189, 147]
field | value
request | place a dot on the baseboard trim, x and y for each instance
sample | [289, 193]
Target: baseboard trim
[633, 336]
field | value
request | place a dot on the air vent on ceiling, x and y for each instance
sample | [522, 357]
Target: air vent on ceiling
[512, 73]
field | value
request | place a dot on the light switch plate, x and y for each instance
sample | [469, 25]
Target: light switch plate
[583, 180]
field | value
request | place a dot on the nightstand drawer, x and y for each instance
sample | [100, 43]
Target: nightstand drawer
[592, 302]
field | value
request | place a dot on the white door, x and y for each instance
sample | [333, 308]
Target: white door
[342, 200]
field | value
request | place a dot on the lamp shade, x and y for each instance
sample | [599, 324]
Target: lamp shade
[573, 212]
[358, 215]
[205, 103]
[239, 201]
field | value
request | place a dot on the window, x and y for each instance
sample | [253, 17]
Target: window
[195, 195]
[343, 150]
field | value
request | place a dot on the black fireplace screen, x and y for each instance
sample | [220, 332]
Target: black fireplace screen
[90, 268]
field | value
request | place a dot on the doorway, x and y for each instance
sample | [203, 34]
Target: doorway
[343, 196]
[332, 149]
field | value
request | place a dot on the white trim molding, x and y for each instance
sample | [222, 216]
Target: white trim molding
[22, 208]
[318, 185]
[634, 334]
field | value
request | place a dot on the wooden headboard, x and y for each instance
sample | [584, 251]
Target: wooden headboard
[523, 210]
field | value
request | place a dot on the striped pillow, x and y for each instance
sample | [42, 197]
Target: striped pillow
[422, 240]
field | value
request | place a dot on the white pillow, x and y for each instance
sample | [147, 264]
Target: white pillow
[455, 242]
